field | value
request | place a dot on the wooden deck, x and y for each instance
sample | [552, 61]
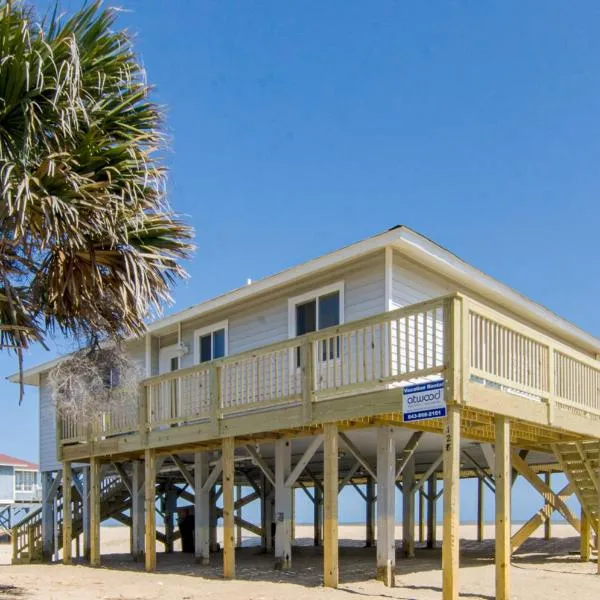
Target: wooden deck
[352, 374]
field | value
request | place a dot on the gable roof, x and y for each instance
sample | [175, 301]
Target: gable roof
[11, 461]
[409, 243]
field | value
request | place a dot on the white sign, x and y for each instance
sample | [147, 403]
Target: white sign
[423, 401]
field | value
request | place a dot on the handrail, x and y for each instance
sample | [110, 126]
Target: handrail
[454, 336]
[308, 337]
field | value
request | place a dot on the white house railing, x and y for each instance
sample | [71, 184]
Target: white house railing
[452, 336]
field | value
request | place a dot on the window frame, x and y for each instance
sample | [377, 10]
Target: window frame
[315, 294]
[18, 488]
[210, 329]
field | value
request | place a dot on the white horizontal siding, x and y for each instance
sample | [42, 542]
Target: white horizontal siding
[411, 285]
[267, 322]
[365, 289]
[48, 461]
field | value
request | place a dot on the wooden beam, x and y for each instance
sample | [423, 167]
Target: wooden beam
[228, 450]
[422, 499]
[489, 481]
[283, 501]
[187, 476]
[304, 460]
[330, 549]
[349, 475]
[259, 461]
[85, 512]
[318, 516]
[138, 525]
[432, 469]
[357, 454]
[586, 537]
[386, 505]
[451, 534]
[530, 475]
[541, 517]
[370, 516]
[408, 509]
[94, 512]
[67, 513]
[502, 477]
[548, 521]
[150, 508]
[480, 509]
[408, 451]
[431, 511]
[123, 475]
[211, 480]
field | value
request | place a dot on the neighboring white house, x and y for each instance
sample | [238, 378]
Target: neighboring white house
[20, 491]
[19, 480]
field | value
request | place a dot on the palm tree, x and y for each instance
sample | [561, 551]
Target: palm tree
[88, 243]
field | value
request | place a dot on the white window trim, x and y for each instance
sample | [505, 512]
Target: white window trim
[198, 333]
[313, 295]
[33, 485]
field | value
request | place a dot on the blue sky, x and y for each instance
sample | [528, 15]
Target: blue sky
[299, 127]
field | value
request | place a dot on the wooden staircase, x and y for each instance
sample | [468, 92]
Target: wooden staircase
[580, 462]
[27, 535]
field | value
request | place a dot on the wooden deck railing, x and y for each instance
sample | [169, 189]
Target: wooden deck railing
[453, 336]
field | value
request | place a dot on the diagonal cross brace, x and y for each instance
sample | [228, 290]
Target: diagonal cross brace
[553, 500]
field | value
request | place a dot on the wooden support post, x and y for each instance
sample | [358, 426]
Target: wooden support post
[330, 487]
[150, 506]
[408, 509]
[431, 511]
[263, 512]
[421, 516]
[548, 522]
[502, 476]
[370, 517]
[169, 512]
[213, 518]
[283, 504]
[238, 515]
[386, 505]
[201, 509]
[67, 513]
[85, 511]
[228, 450]
[450, 545]
[94, 512]
[480, 509]
[318, 515]
[137, 510]
[586, 537]
[293, 522]
[47, 515]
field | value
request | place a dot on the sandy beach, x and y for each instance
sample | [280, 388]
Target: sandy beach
[542, 570]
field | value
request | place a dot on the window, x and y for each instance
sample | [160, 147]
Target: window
[24, 481]
[315, 311]
[210, 343]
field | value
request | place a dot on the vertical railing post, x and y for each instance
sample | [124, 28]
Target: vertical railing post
[215, 397]
[551, 384]
[453, 349]
[307, 379]
[142, 416]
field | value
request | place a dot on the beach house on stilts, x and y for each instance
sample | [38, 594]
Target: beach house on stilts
[390, 364]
